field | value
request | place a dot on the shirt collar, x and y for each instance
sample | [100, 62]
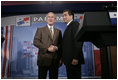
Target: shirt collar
[69, 22]
[49, 26]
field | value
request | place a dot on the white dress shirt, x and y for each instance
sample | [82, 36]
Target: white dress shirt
[52, 32]
[52, 28]
[69, 22]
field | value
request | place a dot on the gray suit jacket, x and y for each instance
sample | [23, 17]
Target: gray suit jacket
[43, 40]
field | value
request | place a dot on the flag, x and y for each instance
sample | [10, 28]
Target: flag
[113, 17]
[23, 21]
[6, 51]
[97, 61]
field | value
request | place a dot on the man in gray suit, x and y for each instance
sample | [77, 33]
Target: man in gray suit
[48, 40]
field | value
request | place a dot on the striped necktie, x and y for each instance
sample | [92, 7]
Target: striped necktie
[51, 31]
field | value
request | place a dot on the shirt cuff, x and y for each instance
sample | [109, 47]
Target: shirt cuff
[56, 47]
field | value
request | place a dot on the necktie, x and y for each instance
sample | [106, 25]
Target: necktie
[51, 31]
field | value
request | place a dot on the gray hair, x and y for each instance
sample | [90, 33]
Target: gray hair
[51, 13]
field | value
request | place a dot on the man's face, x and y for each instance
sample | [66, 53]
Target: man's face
[50, 19]
[67, 17]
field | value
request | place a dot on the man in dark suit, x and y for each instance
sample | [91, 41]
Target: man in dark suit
[48, 40]
[72, 50]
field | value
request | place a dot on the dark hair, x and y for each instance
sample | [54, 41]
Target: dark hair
[69, 12]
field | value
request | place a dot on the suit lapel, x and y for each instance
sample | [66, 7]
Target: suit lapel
[48, 31]
[55, 34]
[68, 27]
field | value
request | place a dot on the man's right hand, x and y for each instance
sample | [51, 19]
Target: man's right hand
[52, 48]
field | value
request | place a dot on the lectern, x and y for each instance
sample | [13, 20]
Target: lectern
[97, 28]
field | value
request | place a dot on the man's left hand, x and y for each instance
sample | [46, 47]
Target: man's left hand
[74, 62]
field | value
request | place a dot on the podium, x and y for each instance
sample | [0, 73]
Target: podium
[97, 28]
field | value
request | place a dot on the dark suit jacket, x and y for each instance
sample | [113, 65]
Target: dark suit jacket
[43, 40]
[71, 48]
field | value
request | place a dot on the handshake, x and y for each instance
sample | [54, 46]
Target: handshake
[52, 48]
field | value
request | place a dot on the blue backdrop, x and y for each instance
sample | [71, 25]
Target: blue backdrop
[24, 53]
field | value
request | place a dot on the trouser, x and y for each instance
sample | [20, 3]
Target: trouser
[73, 71]
[53, 72]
